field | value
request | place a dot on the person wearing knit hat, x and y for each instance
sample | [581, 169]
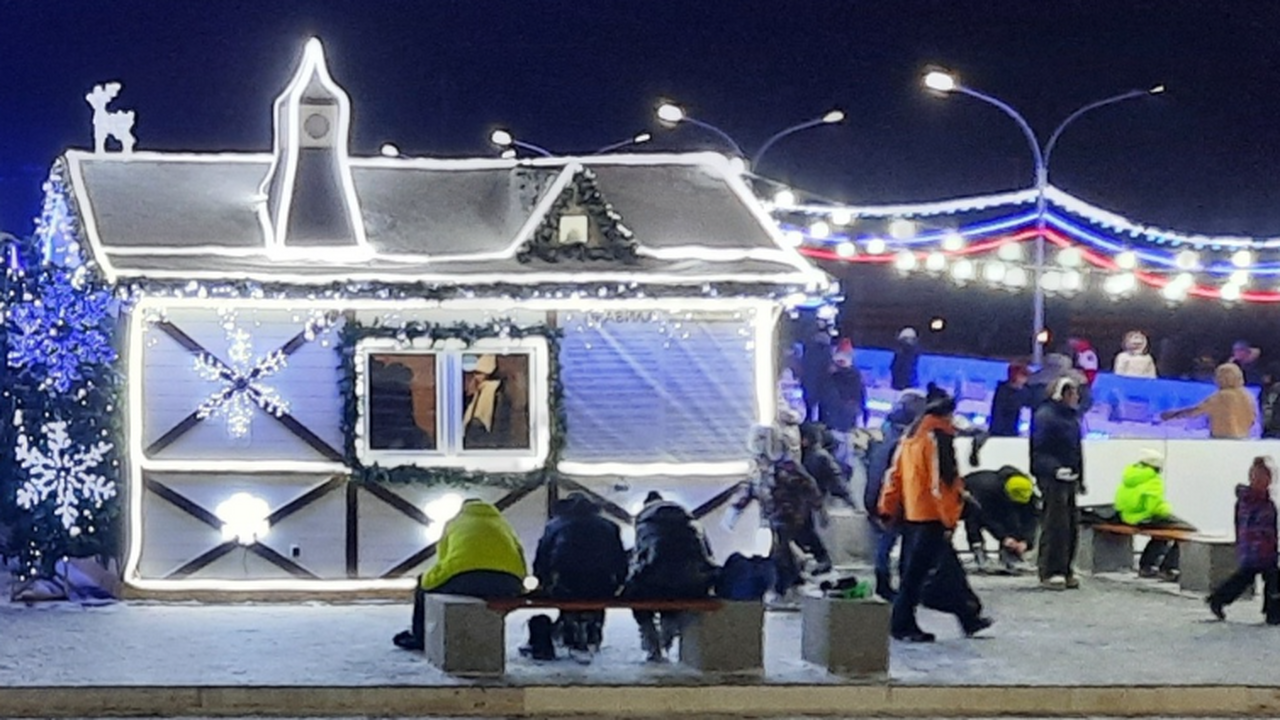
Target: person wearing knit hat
[1057, 461]
[1256, 545]
[1002, 504]
[844, 406]
[904, 370]
[1140, 500]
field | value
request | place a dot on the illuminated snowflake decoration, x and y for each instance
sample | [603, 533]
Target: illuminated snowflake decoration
[243, 387]
[64, 472]
[57, 335]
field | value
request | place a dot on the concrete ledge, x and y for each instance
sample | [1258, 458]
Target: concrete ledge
[755, 700]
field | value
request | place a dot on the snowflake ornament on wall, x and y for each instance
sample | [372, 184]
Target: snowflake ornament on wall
[242, 379]
[55, 335]
[61, 470]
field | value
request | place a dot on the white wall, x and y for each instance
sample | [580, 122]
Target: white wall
[1199, 474]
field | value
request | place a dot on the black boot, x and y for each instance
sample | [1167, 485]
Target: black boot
[884, 586]
[541, 646]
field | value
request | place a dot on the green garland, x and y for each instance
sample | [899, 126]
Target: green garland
[617, 244]
[352, 333]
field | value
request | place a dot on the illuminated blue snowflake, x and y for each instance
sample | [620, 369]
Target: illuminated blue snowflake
[58, 334]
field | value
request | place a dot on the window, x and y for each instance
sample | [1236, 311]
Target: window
[445, 404]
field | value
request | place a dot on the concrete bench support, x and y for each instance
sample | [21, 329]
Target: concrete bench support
[1101, 552]
[463, 636]
[728, 640]
[1205, 563]
[849, 637]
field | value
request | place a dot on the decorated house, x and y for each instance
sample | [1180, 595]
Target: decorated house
[285, 370]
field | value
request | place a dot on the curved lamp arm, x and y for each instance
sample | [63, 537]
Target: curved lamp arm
[755, 161]
[1041, 175]
[1053, 139]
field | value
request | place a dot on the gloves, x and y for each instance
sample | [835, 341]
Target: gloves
[730, 519]
[1066, 474]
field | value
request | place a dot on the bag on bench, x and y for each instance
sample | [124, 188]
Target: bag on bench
[745, 578]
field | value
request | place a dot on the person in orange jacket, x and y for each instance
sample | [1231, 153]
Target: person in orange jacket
[924, 495]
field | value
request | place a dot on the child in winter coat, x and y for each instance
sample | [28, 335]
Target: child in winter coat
[1140, 501]
[1255, 545]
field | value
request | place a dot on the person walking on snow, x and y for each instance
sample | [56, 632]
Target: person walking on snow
[909, 407]
[671, 561]
[789, 500]
[924, 493]
[1057, 461]
[1134, 360]
[1255, 545]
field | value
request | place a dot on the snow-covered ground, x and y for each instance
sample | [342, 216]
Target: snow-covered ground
[1109, 632]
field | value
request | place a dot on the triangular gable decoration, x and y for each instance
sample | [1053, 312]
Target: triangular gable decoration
[581, 225]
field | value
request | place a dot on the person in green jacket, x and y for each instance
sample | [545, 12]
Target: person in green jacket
[1140, 501]
[478, 555]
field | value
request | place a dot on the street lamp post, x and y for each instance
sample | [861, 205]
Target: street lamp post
[943, 82]
[671, 115]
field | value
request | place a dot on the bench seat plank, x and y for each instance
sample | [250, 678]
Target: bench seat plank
[699, 605]
[1151, 532]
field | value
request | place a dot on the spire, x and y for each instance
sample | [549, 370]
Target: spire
[310, 197]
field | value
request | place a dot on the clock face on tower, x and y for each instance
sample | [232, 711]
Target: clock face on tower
[316, 126]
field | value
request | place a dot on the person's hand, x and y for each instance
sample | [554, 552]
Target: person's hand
[1080, 489]
[1066, 474]
[1021, 547]
[1009, 543]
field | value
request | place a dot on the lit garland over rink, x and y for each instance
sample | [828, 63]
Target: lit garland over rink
[984, 237]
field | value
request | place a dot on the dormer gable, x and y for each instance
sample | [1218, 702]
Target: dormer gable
[310, 198]
[580, 225]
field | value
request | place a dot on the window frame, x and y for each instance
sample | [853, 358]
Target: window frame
[449, 452]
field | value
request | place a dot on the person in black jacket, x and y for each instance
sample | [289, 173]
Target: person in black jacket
[1269, 401]
[671, 561]
[1002, 503]
[906, 360]
[908, 408]
[580, 557]
[1011, 396]
[1057, 461]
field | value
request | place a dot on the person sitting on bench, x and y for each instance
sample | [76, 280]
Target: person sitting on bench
[580, 557]
[671, 561]
[478, 555]
[1140, 501]
[1001, 502]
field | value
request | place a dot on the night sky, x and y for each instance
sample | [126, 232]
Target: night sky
[435, 77]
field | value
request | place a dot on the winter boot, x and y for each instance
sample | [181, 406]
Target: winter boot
[595, 634]
[979, 558]
[672, 623]
[541, 646]
[884, 586]
[651, 641]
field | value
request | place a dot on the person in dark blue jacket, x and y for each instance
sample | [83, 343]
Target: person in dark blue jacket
[580, 557]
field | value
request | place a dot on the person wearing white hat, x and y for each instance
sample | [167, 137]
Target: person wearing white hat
[1140, 500]
[906, 359]
[1057, 461]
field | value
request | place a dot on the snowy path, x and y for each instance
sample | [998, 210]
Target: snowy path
[1108, 633]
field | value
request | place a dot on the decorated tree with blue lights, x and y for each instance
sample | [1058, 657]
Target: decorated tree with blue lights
[61, 389]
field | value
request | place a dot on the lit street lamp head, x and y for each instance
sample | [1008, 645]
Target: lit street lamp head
[389, 150]
[501, 138]
[670, 113]
[833, 117]
[940, 81]
[1156, 90]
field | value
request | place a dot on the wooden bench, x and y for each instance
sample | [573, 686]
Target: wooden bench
[1108, 547]
[467, 636]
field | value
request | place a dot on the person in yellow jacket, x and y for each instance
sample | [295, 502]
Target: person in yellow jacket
[924, 495]
[478, 555]
[1140, 500]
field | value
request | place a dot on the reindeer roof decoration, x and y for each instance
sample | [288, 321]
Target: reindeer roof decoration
[110, 123]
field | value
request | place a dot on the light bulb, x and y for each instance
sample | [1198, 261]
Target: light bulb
[1174, 292]
[1187, 260]
[1070, 257]
[846, 249]
[876, 246]
[1010, 252]
[953, 242]
[1127, 260]
[1016, 277]
[905, 261]
[940, 81]
[793, 238]
[993, 272]
[1072, 281]
[819, 230]
[1242, 258]
[962, 271]
[784, 198]
[842, 216]
[1241, 277]
[935, 262]
[1051, 281]
[902, 229]
[670, 113]
[1230, 292]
